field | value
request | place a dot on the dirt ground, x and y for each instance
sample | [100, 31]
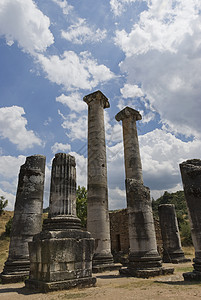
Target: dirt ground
[111, 286]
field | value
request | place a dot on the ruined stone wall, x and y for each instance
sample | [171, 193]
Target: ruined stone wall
[119, 231]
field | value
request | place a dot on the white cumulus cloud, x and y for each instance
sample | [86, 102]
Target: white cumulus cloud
[9, 170]
[74, 101]
[163, 55]
[131, 91]
[59, 147]
[66, 8]
[119, 6]
[80, 33]
[23, 22]
[13, 127]
[75, 125]
[74, 71]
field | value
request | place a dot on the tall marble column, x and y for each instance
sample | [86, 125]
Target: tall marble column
[61, 255]
[144, 260]
[172, 251]
[191, 178]
[97, 195]
[27, 220]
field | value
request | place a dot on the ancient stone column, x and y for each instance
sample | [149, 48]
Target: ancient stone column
[144, 260]
[27, 220]
[61, 255]
[97, 195]
[191, 178]
[172, 251]
[62, 209]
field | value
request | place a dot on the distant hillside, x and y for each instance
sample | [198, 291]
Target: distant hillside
[4, 241]
[4, 219]
[178, 199]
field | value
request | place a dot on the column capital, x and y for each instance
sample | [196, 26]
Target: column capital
[98, 95]
[128, 112]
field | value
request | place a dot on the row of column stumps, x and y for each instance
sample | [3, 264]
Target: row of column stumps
[144, 260]
[61, 254]
[27, 220]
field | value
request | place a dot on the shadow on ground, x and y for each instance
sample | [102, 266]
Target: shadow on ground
[182, 282]
[20, 291]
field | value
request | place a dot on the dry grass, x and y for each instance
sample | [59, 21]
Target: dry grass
[4, 219]
[4, 241]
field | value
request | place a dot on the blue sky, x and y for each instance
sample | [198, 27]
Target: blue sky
[142, 54]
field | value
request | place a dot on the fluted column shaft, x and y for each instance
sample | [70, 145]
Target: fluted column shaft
[63, 186]
[62, 212]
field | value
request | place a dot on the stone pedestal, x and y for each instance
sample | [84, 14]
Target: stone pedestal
[97, 195]
[61, 255]
[172, 251]
[144, 260]
[27, 220]
[191, 177]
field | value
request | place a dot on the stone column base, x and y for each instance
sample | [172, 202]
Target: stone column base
[192, 276]
[145, 273]
[46, 287]
[106, 267]
[176, 260]
[101, 259]
[104, 262]
[175, 257]
[15, 271]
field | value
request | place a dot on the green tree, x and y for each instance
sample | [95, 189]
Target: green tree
[3, 204]
[81, 205]
[8, 227]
